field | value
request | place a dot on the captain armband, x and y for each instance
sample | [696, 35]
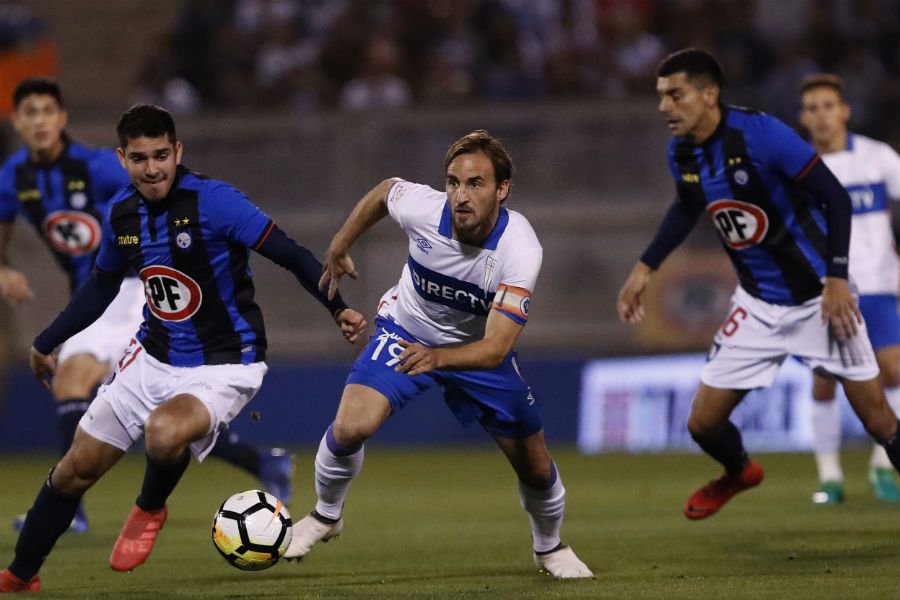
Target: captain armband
[513, 302]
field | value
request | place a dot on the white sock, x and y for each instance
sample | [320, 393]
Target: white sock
[826, 439]
[334, 474]
[545, 509]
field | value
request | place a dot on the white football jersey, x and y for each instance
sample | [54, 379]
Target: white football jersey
[870, 172]
[448, 288]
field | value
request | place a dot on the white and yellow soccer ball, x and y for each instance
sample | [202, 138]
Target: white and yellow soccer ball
[252, 530]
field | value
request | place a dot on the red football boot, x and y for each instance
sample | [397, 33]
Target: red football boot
[706, 501]
[137, 538]
[11, 583]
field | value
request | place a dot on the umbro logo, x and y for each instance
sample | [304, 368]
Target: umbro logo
[423, 245]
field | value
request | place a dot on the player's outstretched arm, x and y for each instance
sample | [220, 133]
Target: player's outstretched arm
[290, 255]
[368, 211]
[629, 305]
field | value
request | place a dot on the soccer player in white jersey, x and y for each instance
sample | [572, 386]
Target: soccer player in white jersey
[870, 171]
[452, 320]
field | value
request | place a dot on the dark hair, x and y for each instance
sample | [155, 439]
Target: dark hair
[697, 63]
[145, 120]
[826, 80]
[492, 148]
[37, 85]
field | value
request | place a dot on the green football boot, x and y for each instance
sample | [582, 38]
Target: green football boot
[832, 492]
[884, 484]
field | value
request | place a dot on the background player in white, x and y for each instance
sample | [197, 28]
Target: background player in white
[452, 321]
[870, 171]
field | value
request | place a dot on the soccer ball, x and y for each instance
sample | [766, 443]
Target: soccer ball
[252, 530]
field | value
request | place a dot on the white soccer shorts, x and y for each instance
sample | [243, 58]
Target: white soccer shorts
[141, 384]
[106, 338]
[757, 336]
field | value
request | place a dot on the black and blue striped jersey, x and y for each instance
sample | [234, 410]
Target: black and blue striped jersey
[191, 250]
[746, 177]
[64, 201]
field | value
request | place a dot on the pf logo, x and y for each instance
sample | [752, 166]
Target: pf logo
[171, 295]
[741, 224]
[71, 232]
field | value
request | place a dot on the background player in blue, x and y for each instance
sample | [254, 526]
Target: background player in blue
[870, 172]
[199, 355]
[62, 188]
[452, 320]
[784, 220]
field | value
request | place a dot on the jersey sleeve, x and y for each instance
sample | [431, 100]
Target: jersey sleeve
[411, 204]
[110, 257]
[107, 176]
[231, 214]
[517, 280]
[782, 149]
[9, 200]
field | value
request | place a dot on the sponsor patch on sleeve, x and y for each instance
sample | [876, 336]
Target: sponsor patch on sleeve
[513, 302]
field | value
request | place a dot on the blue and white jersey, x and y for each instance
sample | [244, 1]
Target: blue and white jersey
[191, 250]
[870, 172]
[745, 176]
[64, 200]
[447, 288]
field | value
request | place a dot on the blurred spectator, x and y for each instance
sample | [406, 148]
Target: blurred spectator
[157, 83]
[379, 86]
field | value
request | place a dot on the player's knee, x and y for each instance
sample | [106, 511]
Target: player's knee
[164, 437]
[537, 476]
[700, 427]
[351, 433]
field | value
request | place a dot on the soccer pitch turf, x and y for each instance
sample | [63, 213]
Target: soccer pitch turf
[446, 523]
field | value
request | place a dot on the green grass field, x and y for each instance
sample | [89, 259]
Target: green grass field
[446, 523]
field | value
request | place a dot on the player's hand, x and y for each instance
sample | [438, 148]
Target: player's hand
[352, 324]
[839, 308]
[14, 288]
[416, 359]
[42, 365]
[335, 266]
[629, 305]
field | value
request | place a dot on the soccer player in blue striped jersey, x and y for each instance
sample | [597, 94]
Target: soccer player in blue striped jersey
[784, 220]
[63, 189]
[198, 358]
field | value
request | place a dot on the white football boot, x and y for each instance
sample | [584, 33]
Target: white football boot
[562, 563]
[307, 532]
